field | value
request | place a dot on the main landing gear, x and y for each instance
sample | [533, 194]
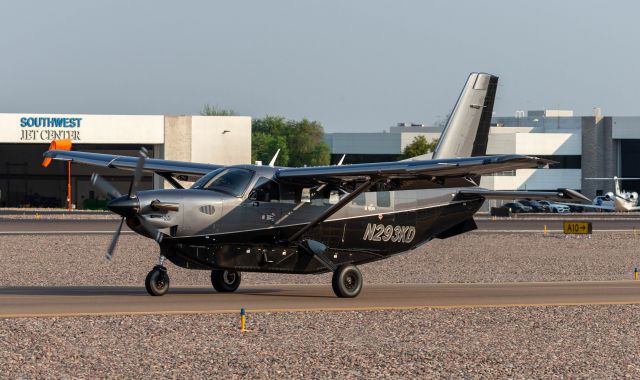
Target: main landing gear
[157, 281]
[225, 281]
[347, 281]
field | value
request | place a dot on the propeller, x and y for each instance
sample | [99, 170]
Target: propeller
[122, 205]
[107, 188]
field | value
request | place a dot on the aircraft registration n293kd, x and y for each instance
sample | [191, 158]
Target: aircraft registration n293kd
[250, 218]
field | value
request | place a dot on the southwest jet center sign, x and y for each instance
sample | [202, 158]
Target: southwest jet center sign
[50, 128]
[88, 129]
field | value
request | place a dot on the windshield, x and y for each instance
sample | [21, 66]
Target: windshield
[232, 181]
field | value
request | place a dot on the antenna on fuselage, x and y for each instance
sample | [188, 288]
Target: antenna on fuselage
[273, 160]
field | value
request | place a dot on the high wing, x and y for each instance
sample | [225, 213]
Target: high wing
[407, 172]
[404, 175]
[187, 171]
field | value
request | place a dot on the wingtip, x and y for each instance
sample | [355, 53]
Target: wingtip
[573, 195]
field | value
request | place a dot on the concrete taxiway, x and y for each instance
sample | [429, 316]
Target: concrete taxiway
[77, 301]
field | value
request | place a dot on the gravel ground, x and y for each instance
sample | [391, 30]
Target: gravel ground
[548, 342]
[78, 260]
[552, 342]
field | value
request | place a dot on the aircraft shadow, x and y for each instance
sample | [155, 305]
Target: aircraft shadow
[94, 291]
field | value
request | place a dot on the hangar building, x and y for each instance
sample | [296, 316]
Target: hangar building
[583, 146]
[24, 137]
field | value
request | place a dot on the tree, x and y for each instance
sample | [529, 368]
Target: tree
[300, 142]
[209, 110]
[267, 136]
[420, 146]
[306, 144]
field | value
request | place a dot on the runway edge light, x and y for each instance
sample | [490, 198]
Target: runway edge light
[242, 319]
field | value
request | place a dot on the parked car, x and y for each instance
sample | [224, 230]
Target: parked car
[517, 207]
[535, 205]
[556, 207]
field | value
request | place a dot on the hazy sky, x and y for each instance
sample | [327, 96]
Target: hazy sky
[352, 65]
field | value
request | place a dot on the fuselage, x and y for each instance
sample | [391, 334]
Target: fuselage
[245, 226]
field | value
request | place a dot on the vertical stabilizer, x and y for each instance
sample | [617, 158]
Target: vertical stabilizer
[616, 182]
[467, 129]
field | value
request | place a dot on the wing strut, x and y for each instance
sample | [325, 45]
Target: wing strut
[333, 209]
[169, 178]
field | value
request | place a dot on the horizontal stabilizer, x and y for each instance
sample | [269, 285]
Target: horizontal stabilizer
[559, 195]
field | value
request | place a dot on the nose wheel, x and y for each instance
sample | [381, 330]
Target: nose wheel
[157, 281]
[225, 281]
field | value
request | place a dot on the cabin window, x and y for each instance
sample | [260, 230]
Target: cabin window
[360, 200]
[383, 199]
[265, 190]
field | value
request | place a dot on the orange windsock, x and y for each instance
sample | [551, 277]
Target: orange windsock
[57, 145]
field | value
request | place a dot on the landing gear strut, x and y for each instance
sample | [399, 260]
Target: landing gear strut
[157, 281]
[347, 281]
[225, 281]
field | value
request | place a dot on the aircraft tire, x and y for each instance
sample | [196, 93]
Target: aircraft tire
[347, 281]
[157, 281]
[225, 281]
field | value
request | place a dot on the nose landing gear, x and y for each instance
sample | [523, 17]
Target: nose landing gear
[157, 281]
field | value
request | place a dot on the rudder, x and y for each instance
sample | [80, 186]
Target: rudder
[467, 131]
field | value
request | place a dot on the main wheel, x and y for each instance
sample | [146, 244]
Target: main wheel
[225, 281]
[157, 281]
[347, 281]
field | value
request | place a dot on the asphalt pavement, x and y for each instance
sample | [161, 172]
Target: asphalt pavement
[74, 301]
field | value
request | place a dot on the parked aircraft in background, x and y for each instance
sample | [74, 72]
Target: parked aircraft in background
[619, 200]
[314, 219]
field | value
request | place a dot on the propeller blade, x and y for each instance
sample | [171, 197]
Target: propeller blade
[107, 188]
[114, 241]
[137, 176]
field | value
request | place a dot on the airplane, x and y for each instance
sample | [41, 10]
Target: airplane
[619, 200]
[309, 220]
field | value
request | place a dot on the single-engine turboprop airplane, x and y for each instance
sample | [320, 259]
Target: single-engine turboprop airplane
[250, 218]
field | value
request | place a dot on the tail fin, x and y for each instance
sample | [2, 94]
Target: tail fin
[467, 129]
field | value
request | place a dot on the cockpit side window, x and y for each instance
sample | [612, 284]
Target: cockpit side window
[265, 190]
[232, 181]
[206, 178]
